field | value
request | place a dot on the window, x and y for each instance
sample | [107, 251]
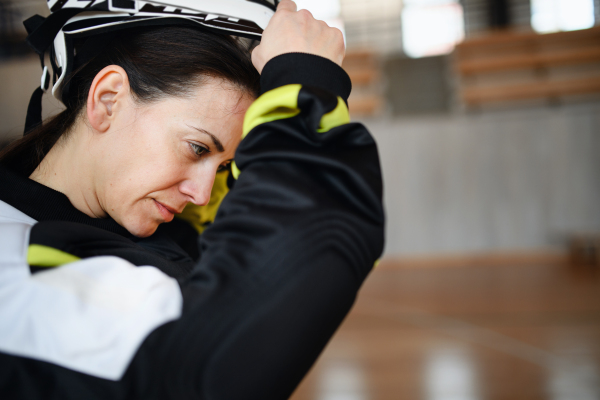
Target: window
[561, 15]
[431, 27]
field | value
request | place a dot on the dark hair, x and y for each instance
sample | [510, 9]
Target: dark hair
[159, 61]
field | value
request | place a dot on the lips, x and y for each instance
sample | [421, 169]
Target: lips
[166, 212]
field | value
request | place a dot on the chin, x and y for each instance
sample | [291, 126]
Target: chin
[141, 229]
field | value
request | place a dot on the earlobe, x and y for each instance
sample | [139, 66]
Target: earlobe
[108, 90]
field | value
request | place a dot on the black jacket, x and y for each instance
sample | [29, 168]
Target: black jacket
[240, 313]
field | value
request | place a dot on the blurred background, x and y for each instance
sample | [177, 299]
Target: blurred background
[487, 116]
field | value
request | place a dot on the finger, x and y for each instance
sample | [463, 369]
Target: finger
[288, 5]
[307, 13]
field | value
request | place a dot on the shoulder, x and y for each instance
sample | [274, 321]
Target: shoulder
[15, 227]
[65, 311]
[9, 214]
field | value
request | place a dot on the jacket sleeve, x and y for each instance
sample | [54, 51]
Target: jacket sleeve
[290, 247]
[291, 244]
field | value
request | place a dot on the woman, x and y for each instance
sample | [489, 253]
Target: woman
[98, 301]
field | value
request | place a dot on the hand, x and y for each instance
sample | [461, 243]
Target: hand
[291, 31]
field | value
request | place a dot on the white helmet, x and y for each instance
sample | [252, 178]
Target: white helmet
[74, 19]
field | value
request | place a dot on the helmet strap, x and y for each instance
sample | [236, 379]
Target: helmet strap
[34, 111]
[41, 33]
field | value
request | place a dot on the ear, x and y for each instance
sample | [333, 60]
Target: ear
[108, 92]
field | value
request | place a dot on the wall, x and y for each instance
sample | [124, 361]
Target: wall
[417, 85]
[18, 79]
[490, 181]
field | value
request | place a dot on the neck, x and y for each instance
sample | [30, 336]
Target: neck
[68, 168]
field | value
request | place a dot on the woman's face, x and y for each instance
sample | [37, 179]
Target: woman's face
[157, 158]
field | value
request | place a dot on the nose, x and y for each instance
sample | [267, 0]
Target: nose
[198, 189]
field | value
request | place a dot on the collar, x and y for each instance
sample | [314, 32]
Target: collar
[45, 204]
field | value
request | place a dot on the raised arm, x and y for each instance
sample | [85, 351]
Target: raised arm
[291, 244]
[280, 268]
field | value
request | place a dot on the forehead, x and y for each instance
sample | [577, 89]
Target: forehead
[215, 97]
[214, 105]
[213, 94]
[213, 101]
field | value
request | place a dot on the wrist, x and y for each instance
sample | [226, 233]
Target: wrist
[305, 69]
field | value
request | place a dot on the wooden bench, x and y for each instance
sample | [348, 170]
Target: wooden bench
[535, 59]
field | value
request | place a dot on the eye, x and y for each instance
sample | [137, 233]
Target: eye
[199, 150]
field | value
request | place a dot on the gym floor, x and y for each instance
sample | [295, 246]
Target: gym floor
[452, 332]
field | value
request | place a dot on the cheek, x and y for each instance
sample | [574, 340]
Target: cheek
[134, 187]
[146, 162]
[135, 208]
[140, 175]
[129, 208]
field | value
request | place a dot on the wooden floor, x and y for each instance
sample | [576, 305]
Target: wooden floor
[466, 333]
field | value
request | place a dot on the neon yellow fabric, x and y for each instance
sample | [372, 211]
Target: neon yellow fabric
[235, 171]
[200, 216]
[339, 116]
[282, 103]
[44, 256]
[276, 104]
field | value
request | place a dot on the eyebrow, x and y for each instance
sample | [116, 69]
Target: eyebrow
[215, 140]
